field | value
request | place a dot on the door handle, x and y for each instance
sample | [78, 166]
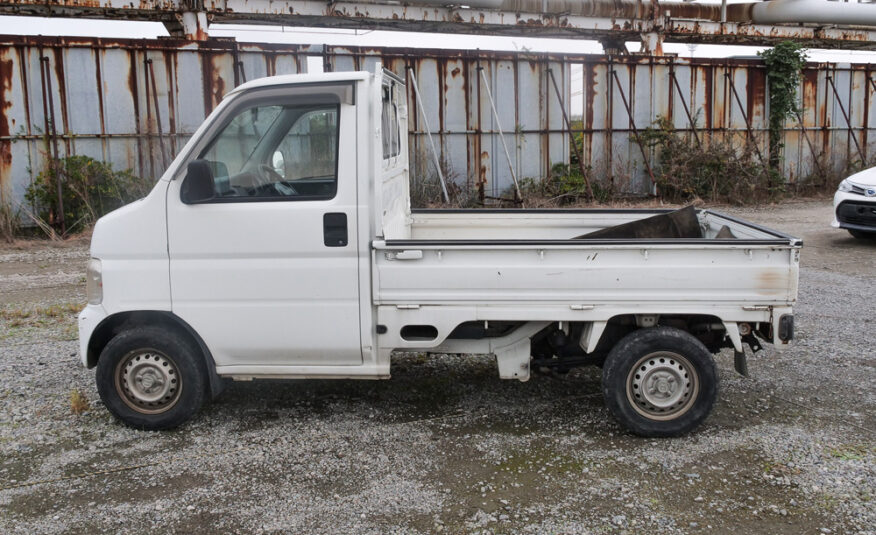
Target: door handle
[409, 255]
[334, 229]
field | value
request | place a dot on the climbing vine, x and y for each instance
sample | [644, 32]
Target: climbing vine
[784, 67]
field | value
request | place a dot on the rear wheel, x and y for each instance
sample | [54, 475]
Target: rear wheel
[660, 382]
[862, 235]
[151, 378]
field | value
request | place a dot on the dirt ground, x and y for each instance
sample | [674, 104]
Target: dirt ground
[445, 446]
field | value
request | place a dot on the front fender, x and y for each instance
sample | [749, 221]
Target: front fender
[90, 317]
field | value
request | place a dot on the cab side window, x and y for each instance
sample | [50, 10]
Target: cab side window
[273, 152]
[237, 142]
[310, 148]
[389, 123]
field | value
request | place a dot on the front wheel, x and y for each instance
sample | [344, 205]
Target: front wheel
[151, 378]
[660, 382]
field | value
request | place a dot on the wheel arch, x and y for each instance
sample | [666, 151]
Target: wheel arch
[121, 321]
[597, 334]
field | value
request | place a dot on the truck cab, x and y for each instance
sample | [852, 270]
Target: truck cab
[280, 243]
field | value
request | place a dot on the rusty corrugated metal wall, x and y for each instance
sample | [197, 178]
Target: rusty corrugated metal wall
[458, 111]
[135, 102]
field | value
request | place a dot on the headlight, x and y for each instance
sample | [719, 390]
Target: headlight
[94, 282]
[845, 186]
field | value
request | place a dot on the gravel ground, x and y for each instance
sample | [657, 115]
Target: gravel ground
[445, 446]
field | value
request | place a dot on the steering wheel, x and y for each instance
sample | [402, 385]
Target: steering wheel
[269, 177]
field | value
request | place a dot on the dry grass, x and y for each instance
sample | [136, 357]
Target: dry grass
[78, 402]
[10, 222]
[39, 316]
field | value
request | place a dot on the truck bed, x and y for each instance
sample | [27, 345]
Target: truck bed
[507, 257]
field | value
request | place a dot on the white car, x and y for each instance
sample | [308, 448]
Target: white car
[854, 205]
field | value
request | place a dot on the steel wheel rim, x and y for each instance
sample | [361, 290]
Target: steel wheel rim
[662, 385]
[148, 381]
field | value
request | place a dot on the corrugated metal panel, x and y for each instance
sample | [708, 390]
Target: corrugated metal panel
[135, 102]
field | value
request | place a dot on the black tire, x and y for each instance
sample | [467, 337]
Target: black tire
[862, 235]
[151, 378]
[677, 371]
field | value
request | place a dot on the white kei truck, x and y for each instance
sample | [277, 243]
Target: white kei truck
[280, 244]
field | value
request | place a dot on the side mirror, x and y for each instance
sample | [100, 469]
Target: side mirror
[197, 186]
[279, 164]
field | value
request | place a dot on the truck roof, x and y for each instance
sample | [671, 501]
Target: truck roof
[290, 79]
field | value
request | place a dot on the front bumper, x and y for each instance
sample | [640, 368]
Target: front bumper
[855, 212]
[89, 319]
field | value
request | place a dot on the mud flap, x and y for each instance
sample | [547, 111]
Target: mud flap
[740, 363]
[513, 360]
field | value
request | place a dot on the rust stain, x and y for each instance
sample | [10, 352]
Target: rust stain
[441, 69]
[199, 35]
[482, 174]
[471, 146]
[214, 85]
[590, 88]
[6, 76]
[58, 53]
[169, 63]
[712, 108]
[98, 82]
[271, 64]
[22, 68]
[810, 96]
[772, 281]
[756, 94]
[133, 88]
[825, 117]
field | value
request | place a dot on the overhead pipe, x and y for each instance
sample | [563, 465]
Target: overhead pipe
[769, 12]
[807, 12]
[617, 9]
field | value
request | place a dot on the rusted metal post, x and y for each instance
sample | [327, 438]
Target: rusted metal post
[49, 112]
[193, 24]
[479, 137]
[151, 74]
[609, 121]
[429, 134]
[572, 135]
[517, 195]
[693, 125]
[745, 118]
[633, 126]
[842, 108]
[865, 122]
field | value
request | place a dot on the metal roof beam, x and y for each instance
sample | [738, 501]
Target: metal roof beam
[187, 17]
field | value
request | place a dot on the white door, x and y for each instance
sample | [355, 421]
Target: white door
[265, 270]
